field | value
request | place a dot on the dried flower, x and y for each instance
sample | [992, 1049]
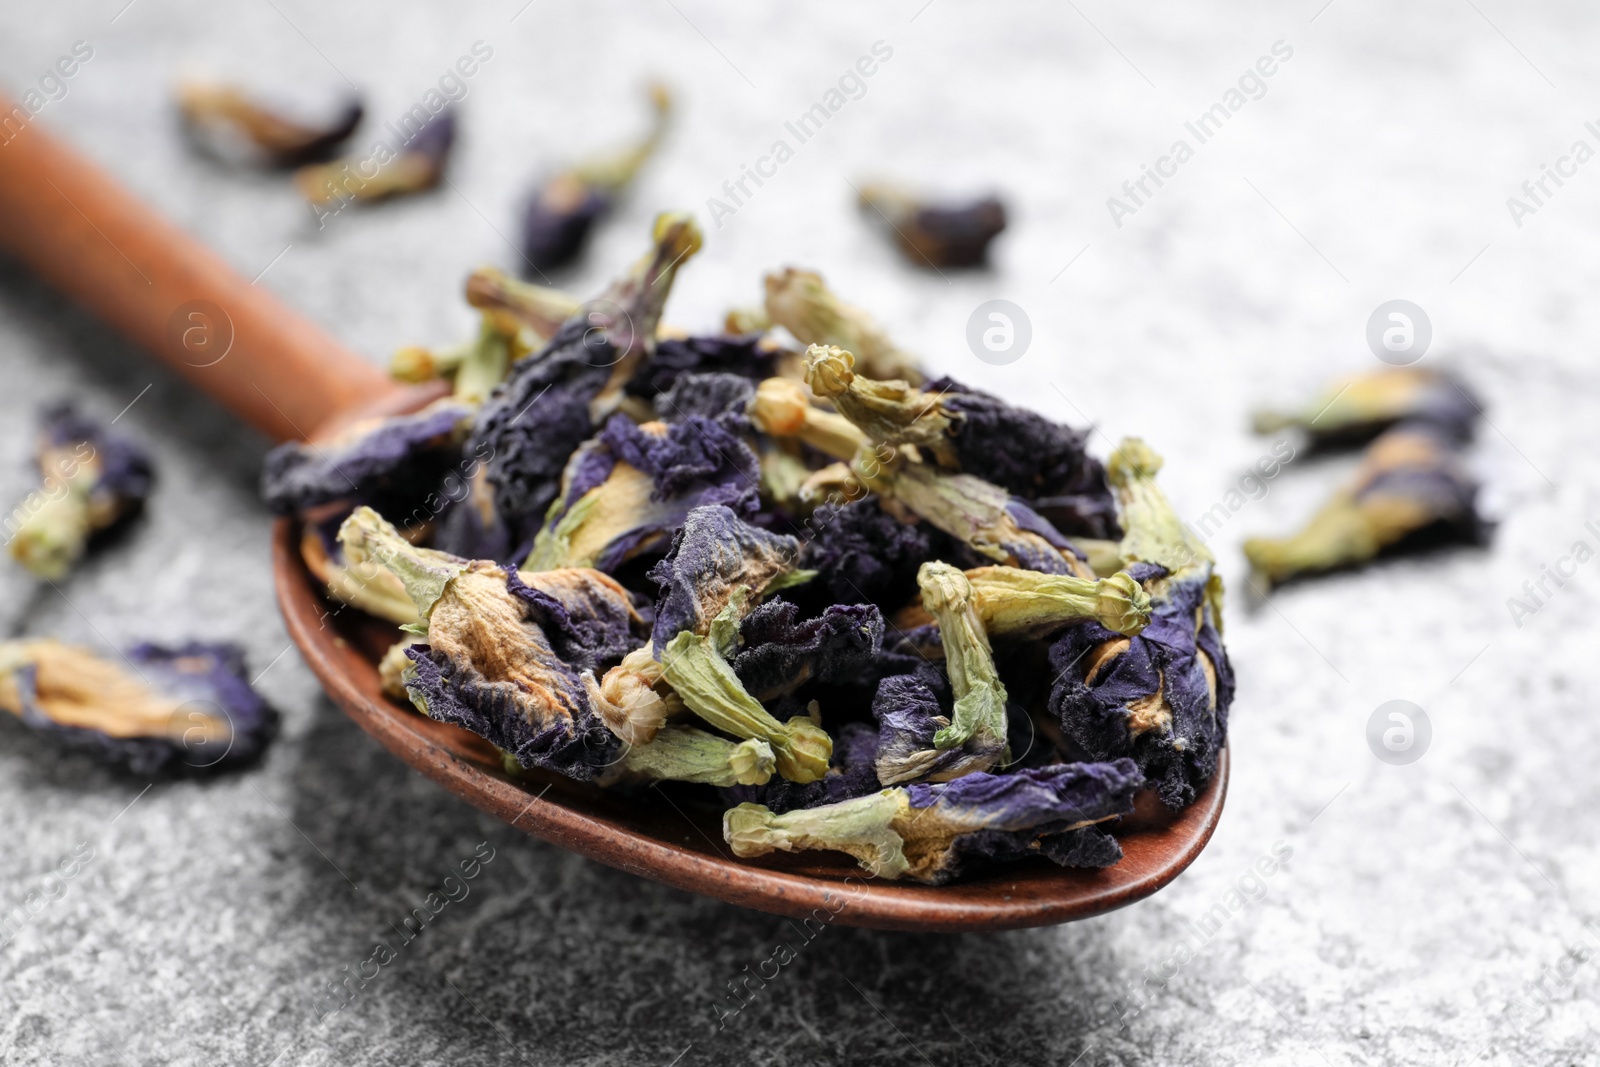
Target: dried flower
[649, 478]
[955, 234]
[633, 697]
[782, 409]
[226, 122]
[1411, 486]
[561, 215]
[417, 167]
[850, 774]
[748, 357]
[553, 400]
[161, 709]
[90, 480]
[801, 303]
[931, 833]
[504, 653]
[718, 568]
[374, 590]
[1358, 407]
[861, 553]
[782, 652]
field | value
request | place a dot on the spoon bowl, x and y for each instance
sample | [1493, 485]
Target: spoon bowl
[670, 837]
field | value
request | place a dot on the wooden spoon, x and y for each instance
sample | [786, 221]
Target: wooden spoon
[80, 231]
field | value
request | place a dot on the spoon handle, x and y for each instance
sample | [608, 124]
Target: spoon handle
[89, 238]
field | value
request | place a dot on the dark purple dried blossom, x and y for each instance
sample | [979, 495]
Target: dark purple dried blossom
[1161, 698]
[862, 553]
[746, 356]
[552, 400]
[712, 556]
[399, 457]
[562, 212]
[90, 480]
[418, 165]
[720, 396]
[932, 833]
[932, 234]
[850, 774]
[1358, 407]
[183, 708]
[226, 123]
[782, 652]
[650, 478]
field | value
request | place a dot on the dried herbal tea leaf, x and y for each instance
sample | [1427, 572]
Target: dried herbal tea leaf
[563, 211]
[157, 709]
[227, 123]
[1411, 486]
[935, 234]
[89, 481]
[931, 833]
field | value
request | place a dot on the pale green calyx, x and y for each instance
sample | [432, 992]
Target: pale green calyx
[800, 302]
[1152, 531]
[1015, 602]
[862, 827]
[980, 697]
[892, 411]
[369, 541]
[697, 669]
[483, 366]
[685, 754]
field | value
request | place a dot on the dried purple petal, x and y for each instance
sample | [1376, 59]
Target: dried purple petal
[1357, 408]
[746, 356]
[394, 457]
[654, 475]
[1411, 488]
[553, 399]
[225, 122]
[932, 833]
[1161, 697]
[723, 397]
[851, 774]
[90, 480]
[862, 553]
[714, 555]
[931, 234]
[782, 652]
[160, 709]
[561, 214]
[418, 165]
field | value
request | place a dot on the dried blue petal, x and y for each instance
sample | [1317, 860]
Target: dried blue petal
[188, 707]
[226, 123]
[90, 480]
[713, 556]
[934, 833]
[401, 457]
[850, 774]
[720, 396]
[553, 399]
[1029, 455]
[504, 655]
[1356, 408]
[782, 652]
[932, 234]
[745, 356]
[1161, 698]
[417, 166]
[654, 475]
[1412, 489]
[561, 214]
[862, 553]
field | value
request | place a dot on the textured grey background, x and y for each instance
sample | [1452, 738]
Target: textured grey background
[1420, 903]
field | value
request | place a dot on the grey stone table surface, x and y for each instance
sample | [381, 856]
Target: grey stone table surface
[1428, 913]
